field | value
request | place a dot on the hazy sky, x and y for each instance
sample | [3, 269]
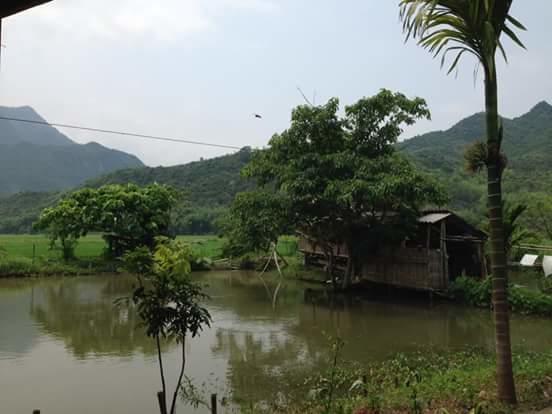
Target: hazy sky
[199, 69]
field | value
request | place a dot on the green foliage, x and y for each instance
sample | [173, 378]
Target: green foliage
[129, 216]
[428, 381]
[209, 187]
[333, 173]
[207, 183]
[522, 300]
[255, 221]
[24, 267]
[526, 180]
[212, 184]
[167, 300]
[449, 26]
[138, 261]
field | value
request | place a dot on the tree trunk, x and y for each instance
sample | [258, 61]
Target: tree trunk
[505, 378]
[162, 373]
[181, 375]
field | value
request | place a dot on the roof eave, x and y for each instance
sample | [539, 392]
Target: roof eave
[11, 7]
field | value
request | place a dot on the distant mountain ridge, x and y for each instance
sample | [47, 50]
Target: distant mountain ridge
[212, 184]
[528, 147]
[527, 142]
[40, 158]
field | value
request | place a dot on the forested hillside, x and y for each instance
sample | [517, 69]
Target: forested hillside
[210, 185]
[40, 158]
[528, 148]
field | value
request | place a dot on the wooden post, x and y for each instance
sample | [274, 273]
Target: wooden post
[482, 259]
[444, 256]
[213, 403]
[428, 241]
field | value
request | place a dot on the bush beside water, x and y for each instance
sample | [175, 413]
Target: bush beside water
[522, 300]
[23, 267]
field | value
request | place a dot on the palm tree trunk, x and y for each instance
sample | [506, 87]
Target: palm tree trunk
[505, 377]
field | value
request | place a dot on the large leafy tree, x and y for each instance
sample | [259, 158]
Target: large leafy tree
[477, 27]
[249, 231]
[337, 173]
[129, 216]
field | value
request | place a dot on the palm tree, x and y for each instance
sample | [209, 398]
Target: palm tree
[475, 27]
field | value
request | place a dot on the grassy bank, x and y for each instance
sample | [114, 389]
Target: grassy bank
[31, 255]
[424, 382]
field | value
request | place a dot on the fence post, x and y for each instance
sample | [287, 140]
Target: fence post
[213, 403]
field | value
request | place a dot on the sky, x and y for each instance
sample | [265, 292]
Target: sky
[200, 69]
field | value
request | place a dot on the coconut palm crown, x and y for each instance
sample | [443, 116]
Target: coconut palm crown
[461, 26]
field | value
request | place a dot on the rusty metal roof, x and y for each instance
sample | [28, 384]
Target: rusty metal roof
[9, 7]
[433, 218]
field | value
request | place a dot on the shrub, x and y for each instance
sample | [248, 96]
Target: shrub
[479, 293]
[23, 267]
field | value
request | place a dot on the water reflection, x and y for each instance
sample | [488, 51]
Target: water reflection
[82, 314]
[259, 352]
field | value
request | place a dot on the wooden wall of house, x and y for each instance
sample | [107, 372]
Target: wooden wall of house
[408, 267]
[413, 268]
[307, 246]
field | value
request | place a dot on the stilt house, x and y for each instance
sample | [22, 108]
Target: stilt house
[443, 248]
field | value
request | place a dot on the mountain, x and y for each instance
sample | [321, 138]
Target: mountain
[208, 183]
[209, 186]
[40, 158]
[527, 142]
[527, 145]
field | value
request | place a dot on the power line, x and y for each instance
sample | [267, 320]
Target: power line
[123, 133]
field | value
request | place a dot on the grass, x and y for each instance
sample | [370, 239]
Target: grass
[30, 255]
[423, 382]
[25, 246]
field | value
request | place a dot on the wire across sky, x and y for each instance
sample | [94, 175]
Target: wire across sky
[123, 133]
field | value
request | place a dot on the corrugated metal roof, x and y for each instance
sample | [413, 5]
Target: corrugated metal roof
[433, 218]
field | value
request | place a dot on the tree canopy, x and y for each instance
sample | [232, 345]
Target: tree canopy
[336, 173]
[129, 216]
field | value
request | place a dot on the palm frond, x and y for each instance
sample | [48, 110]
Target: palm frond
[460, 27]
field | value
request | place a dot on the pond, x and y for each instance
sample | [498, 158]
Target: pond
[65, 348]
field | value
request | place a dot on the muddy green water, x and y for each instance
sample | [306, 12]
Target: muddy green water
[64, 347]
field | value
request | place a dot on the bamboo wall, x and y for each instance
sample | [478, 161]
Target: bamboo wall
[413, 268]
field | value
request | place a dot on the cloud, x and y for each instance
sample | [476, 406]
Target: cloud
[163, 20]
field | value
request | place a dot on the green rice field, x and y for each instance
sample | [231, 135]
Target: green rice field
[38, 246]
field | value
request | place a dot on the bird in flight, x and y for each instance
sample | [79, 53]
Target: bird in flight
[258, 116]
